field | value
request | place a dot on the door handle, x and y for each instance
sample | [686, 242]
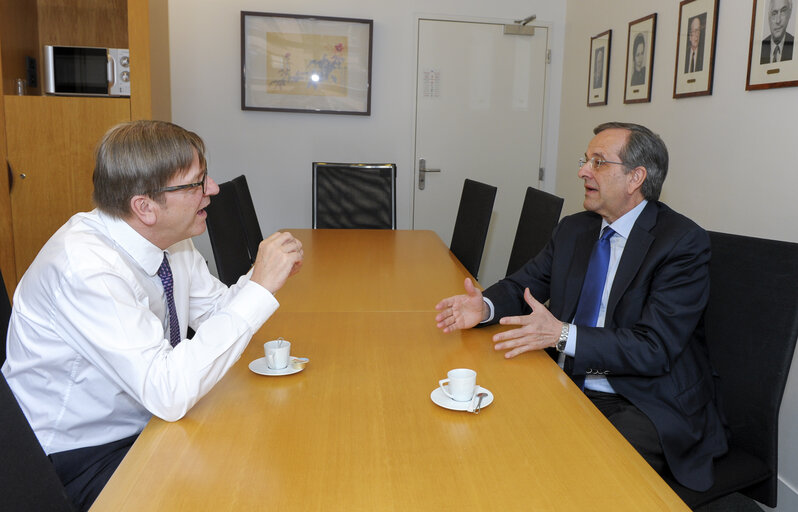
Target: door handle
[422, 173]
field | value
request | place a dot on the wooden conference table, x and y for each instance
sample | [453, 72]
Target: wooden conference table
[357, 430]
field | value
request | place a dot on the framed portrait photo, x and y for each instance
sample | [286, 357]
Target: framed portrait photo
[771, 61]
[695, 48]
[599, 69]
[297, 63]
[640, 59]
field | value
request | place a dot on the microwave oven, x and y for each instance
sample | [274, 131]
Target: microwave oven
[86, 71]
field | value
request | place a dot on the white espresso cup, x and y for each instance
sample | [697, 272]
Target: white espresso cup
[461, 384]
[277, 352]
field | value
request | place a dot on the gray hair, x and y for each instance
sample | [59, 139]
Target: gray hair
[643, 148]
[138, 158]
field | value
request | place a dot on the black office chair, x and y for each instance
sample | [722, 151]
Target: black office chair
[751, 327]
[228, 235]
[248, 216]
[354, 196]
[539, 216]
[472, 223]
[28, 480]
[5, 316]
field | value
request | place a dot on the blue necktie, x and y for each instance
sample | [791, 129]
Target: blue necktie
[587, 310]
[165, 273]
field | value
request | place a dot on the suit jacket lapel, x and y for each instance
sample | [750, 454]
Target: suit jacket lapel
[634, 253]
[576, 274]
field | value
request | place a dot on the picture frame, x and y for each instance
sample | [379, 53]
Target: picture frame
[768, 67]
[301, 63]
[599, 69]
[695, 48]
[640, 67]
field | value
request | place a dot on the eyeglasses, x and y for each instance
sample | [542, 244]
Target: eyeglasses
[200, 183]
[596, 162]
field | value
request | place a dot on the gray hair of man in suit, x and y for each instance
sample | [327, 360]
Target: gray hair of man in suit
[643, 148]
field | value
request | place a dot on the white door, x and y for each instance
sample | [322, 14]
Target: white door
[479, 115]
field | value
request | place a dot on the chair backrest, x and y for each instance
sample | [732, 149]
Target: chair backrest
[227, 234]
[472, 223]
[27, 477]
[248, 216]
[751, 327]
[360, 196]
[539, 216]
[5, 315]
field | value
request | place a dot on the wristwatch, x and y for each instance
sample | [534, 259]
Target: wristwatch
[563, 337]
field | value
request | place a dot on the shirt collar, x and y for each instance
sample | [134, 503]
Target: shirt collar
[623, 225]
[142, 251]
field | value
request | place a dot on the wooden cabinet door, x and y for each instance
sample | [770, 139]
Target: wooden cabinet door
[51, 142]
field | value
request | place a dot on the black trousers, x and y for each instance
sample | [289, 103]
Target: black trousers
[85, 471]
[633, 425]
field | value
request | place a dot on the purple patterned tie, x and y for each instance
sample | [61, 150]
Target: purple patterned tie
[165, 273]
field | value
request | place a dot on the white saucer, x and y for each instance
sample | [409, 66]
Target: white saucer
[260, 367]
[440, 398]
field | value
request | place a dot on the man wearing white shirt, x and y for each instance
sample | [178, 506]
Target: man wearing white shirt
[694, 60]
[97, 338]
[777, 47]
[641, 358]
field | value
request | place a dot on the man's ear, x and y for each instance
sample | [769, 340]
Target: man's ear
[145, 209]
[636, 178]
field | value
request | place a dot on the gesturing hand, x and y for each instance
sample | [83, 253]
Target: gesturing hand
[279, 257]
[537, 330]
[461, 311]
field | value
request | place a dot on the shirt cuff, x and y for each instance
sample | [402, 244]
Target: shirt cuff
[570, 344]
[490, 307]
[255, 304]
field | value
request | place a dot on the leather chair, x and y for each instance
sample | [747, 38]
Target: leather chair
[539, 215]
[5, 315]
[27, 477]
[354, 196]
[472, 223]
[248, 216]
[751, 326]
[228, 235]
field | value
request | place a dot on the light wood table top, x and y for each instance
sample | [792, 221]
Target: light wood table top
[372, 270]
[357, 430]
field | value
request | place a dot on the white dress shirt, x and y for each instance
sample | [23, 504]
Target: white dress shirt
[622, 227]
[89, 357]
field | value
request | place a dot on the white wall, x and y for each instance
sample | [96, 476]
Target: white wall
[732, 153]
[275, 150]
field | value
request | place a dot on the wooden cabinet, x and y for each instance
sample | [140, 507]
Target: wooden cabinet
[48, 142]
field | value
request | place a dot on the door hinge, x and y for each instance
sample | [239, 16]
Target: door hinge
[548, 56]
[541, 174]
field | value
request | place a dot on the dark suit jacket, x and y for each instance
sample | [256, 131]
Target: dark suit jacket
[652, 348]
[786, 50]
[699, 58]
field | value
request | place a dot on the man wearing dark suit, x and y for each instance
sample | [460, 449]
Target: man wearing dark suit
[694, 57]
[778, 45]
[643, 357]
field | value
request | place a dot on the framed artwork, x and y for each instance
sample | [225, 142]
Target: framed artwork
[771, 62]
[599, 69]
[695, 48]
[640, 59]
[296, 63]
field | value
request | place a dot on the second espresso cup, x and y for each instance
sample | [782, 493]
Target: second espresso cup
[461, 384]
[277, 353]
